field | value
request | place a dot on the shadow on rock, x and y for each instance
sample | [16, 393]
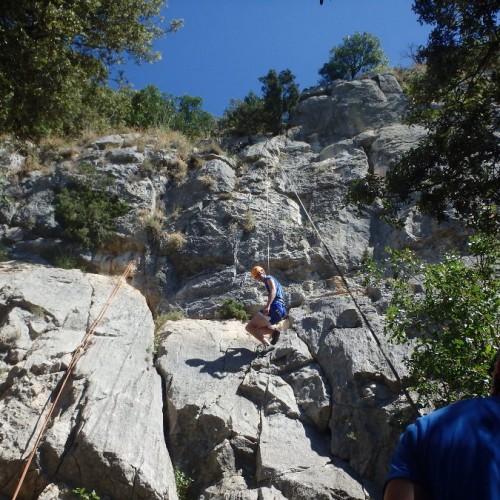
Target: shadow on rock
[232, 361]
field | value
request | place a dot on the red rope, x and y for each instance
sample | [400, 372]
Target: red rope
[77, 353]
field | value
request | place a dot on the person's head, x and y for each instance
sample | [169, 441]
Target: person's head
[495, 375]
[258, 273]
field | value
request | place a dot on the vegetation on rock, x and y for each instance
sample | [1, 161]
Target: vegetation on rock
[360, 52]
[232, 309]
[268, 114]
[87, 209]
[449, 315]
[455, 167]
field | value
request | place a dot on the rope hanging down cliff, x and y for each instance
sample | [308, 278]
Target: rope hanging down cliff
[357, 306]
[77, 354]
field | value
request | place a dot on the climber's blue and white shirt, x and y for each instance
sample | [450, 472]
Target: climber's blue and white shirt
[277, 309]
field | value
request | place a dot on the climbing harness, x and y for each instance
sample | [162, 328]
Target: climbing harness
[77, 354]
[344, 282]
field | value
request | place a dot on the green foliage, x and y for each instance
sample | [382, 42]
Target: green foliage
[151, 108]
[453, 322]
[281, 96]
[457, 99]
[182, 484]
[110, 108]
[244, 117]
[4, 253]
[87, 208]
[54, 55]
[270, 113]
[358, 53]
[232, 309]
[191, 119]
[82, 493]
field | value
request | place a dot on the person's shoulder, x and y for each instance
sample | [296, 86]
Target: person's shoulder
[473, 402]
[459, 410]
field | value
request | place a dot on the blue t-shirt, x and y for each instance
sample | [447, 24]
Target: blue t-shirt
[454, 452]
[280, 294]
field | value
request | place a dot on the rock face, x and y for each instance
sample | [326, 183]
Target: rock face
[244, 424]
[106, 433]
[312, 419]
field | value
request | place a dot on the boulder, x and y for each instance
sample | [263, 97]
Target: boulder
[106, 432]
[235, 424]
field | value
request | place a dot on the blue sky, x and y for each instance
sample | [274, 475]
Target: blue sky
[226, 45]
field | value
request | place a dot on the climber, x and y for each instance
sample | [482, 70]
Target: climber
[273, 312]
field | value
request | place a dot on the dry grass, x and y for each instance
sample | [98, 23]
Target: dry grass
[152, 222]
[208, 181]
[404, 75]
[209, 147]
[248, 222]
[175, 242]
[196, 162]
[178, 169]
[175, 213]
[169, 139]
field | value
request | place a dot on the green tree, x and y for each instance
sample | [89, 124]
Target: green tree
[452, 320]
[191, 119]
[108, 108]
[268, 113]
[87, 208]
[54, 54]
[359, 52]
[244, 117]
[457, 99]
[151, 108]
[281, 96]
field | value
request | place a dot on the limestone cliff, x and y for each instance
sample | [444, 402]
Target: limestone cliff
[311, 420]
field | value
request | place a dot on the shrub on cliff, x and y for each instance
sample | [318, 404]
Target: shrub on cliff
[357, 53]
[87, 209]
[232, 309]
[269, 114]
[449, 313]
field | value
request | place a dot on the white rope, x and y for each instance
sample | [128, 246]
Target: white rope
[267, 218]
[353, 298]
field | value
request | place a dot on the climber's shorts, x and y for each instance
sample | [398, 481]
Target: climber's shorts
[277, 312]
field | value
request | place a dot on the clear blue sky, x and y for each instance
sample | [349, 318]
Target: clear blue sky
[226, 45]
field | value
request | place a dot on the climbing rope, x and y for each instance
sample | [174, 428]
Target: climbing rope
[77, 354]
[346, 285]
[267, 219]
[362, 314]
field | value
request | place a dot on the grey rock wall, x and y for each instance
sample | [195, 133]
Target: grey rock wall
[312, 420]
[106, 433]
[243, 424]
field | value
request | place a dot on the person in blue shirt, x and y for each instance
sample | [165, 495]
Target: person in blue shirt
[452, 453]
[273, 312]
